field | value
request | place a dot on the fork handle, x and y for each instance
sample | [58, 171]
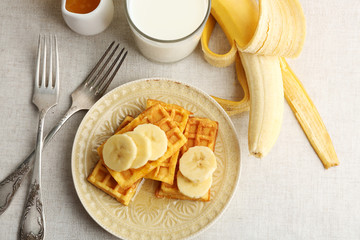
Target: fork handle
[32, 221]
[12, 182]
[32, 225]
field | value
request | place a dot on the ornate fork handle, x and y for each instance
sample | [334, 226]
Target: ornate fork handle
[11, 183]
[33, 216]
[32, 221]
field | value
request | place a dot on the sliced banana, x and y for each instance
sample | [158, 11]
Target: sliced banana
[193, 189]
[157, 137]
[119, 152]
[144, 151]
[197, 163]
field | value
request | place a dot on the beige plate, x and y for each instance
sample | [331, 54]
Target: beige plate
[148, 217]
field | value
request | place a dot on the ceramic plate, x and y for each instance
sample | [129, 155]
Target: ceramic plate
[147, 217]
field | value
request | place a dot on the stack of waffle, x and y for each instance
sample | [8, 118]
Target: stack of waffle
[182, 132]
[199, 132]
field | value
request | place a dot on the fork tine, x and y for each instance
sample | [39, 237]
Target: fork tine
[94, 81]
[43, 77]
[50, 82]
[101, 89]
[100, 82]
[37, 74]
[57, 80]
[88, 79]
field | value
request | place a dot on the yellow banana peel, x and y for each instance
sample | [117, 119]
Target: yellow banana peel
[217, 60]
[237, 107]
[280, 30]
[245, 18]
[308, 117]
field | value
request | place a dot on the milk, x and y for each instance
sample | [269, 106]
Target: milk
[167, 30]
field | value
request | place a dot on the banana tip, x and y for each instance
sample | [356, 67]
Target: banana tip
[257, 154]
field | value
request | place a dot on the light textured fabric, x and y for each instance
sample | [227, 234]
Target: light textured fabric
[287, 195]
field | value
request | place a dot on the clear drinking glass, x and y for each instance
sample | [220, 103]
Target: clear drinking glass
[166, 51]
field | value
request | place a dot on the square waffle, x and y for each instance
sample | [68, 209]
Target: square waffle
[158, 116]
[199, 132]
[102, 179]
[179, 114]
[166, 171]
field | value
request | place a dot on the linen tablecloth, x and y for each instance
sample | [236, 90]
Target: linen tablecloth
[287, 195]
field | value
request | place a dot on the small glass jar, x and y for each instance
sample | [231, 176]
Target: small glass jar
[163, 50]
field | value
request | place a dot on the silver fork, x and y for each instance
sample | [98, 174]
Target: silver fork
[45, 96]
[84, 96]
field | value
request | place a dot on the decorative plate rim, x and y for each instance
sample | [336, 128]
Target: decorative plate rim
[170, 81]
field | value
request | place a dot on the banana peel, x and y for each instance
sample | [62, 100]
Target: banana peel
[247, 18]
[308, 117]
[243, 23]
[237, 107]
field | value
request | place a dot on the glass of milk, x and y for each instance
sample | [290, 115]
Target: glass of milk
[167, 30]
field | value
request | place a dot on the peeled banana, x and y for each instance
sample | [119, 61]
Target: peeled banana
[267, 101]
[277, 28]
[277, 34]
[262, 34]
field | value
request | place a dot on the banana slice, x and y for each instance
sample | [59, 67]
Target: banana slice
[119, 152]
[197, 163]
[193, 189]
[157, 138]
[143, 145]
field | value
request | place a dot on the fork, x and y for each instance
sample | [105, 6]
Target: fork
[83, 98]
[45, 96]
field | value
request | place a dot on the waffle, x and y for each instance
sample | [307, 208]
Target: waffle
[125, 122]
[177, 113]
[199, 132]
[166, 171]
[156, 115]
[102, 179]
